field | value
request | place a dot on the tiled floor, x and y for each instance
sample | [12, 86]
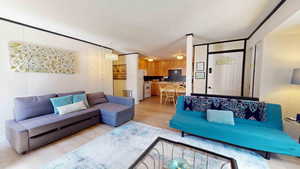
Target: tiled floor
[149, 112]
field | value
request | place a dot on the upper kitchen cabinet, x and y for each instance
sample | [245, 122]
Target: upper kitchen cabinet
[161, 67]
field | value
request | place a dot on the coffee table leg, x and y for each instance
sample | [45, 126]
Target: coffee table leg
[268, 156]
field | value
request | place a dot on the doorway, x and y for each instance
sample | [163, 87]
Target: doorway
[225, 73]
[224, 68]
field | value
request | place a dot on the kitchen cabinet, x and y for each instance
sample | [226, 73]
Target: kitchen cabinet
[161, 67]
[155, 89]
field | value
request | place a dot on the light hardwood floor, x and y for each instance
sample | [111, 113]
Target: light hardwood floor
[149, 111]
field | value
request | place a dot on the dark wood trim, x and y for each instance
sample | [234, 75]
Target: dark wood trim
[243, 68]
[207, 60]
[267, 18]
[254, 71]
[54, 33]
[129, 53]
[253, 32]
[189, 34]
[212, 43]
[226, 96]
[226, 51]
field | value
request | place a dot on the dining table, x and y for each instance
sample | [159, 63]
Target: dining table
[178, 91]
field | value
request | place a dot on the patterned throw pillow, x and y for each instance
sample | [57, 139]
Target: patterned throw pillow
[253, 110]
[216, 103]
[196, 103]
[245, 109]
[188, 104]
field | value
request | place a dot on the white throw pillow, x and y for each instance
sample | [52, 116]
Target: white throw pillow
[71, 108]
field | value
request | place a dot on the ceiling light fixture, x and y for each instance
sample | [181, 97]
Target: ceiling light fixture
[179, 57]
[150, 59]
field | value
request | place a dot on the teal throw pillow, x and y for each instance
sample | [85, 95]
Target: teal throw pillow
[79, 98]
[220, 116]
[61, 101]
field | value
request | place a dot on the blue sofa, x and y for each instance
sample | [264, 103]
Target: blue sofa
[267, 136]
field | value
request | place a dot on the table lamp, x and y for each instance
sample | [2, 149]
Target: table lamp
[296, 80]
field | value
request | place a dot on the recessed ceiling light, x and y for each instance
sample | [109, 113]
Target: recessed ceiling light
[179, 57]
[150, 59]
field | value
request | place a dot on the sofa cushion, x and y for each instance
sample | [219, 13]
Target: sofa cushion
[70, 93]
[50, 122]
[79, 98]
[71, 108]
[96, 98]
[61, 101]
[111, 109]
[241, 134]
[220, 116]
[28, 107]
[115, 114]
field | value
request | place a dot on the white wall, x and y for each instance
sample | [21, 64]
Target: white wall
[189, 64]
[94, 72]
[132, 75]
[280, 55]
[289, 8]
[200, 56]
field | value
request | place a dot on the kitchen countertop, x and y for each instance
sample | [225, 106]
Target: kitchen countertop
[167, 82]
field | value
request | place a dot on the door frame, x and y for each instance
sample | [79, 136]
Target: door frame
[223, 51]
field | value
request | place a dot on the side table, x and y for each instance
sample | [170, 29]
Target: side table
[292, 128]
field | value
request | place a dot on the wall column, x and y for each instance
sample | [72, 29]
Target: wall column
[132, 75]
[189, 63]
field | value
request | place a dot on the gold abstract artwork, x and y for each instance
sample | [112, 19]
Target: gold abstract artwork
[119, 72]
[27, 57]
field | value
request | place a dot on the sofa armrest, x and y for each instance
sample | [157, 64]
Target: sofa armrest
[128, 101]
[17, 136]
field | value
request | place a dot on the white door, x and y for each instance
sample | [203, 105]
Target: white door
[225, 73]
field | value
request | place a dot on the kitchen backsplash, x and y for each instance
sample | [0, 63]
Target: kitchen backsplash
[162, 78]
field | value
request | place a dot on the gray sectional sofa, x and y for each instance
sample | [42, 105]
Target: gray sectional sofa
[35, 124]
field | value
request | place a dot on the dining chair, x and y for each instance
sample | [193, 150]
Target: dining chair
[180, 91]
[170, 94]
[161, 93]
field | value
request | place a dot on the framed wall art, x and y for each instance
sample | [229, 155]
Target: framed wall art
[200, 66]
[199, 75]
[27, 57]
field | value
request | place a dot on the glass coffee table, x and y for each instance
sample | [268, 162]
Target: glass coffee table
[167, 154]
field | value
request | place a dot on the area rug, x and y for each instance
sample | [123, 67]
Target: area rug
[119, 148]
